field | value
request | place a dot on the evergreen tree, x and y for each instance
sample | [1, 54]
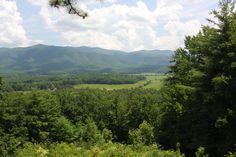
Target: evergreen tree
[142, 135]
[201, 93]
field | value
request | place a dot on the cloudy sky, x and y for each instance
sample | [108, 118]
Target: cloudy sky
[115, 24]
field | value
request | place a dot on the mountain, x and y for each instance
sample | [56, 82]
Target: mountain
[52, 59]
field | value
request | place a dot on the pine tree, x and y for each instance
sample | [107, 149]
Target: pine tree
[202, 86]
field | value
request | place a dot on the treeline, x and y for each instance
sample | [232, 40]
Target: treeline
[28, 82]
[96, 78]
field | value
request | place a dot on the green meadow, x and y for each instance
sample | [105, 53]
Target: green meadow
[154, 81]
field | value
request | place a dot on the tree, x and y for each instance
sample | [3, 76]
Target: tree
[0, 83]
[12, 130]
[62, 130]
[42, 113]
[202, 88]
[88, 132]
[142, 135]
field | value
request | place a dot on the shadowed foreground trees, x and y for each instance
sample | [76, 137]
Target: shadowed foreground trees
[200, 95]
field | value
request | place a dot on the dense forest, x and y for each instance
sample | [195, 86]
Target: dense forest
[193, 114]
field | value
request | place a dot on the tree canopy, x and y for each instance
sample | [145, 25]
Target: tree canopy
[194, 113]
[201, 92]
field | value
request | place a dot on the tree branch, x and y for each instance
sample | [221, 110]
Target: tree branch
[70, 7]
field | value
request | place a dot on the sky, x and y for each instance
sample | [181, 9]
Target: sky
[127, 25]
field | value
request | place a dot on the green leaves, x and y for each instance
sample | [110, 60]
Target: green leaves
[220, 81]
[62, 130]
[1, 83]
[99, 150]
[202, 87]
[88, 132]
[41, 113]
[201, 152]
[142, 135]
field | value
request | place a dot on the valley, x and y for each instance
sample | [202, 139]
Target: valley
[154, 81]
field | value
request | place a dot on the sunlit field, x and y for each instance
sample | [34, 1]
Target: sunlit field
[154, 81]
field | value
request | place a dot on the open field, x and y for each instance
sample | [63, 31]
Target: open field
[151, 81]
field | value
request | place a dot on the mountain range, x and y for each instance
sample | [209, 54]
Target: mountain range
[54, 59]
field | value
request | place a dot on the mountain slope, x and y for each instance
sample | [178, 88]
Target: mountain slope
[48, 59]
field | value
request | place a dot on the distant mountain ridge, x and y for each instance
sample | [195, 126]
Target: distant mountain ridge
[53, 59]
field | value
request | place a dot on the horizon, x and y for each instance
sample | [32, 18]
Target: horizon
[62, 46]
[134, 78]
[112, 24]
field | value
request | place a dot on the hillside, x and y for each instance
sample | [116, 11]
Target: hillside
[50, 59]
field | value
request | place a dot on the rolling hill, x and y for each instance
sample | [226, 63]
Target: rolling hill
[53, 59]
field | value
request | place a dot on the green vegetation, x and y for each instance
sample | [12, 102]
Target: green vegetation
[85, 117]
[111, 81]
[154, 82]
[193, 114]
[26, 82]
[200, 95]
[102, 150]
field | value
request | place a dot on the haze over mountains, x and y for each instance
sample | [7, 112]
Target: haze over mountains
[51, 59]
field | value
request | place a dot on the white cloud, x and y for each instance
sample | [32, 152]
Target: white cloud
[12, 32]
[176, 33]
[119, 26]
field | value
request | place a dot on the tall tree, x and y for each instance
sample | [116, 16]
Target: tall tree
[202, 87]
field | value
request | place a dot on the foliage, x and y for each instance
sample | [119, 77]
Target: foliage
[88, 132]
[199, 97]
[82, 116]
[63, 130]
[102, 150]
[201, 152]
[60, 81]
[144, 134]
[0, 83]
[195, 108]
[231, 154]
[151, 82]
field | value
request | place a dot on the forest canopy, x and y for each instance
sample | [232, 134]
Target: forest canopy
[194, 113]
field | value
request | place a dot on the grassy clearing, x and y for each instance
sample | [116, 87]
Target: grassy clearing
[151, 81]
[156, 82]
